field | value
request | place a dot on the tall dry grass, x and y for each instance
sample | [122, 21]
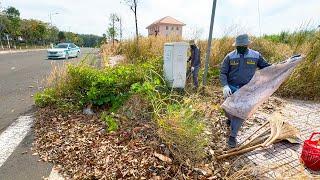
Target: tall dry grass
[305, 80]
[148, 48]
[304, 83]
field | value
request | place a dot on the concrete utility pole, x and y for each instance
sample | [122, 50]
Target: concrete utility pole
[204, 79]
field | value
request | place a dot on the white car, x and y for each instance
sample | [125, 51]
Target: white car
[63, 50]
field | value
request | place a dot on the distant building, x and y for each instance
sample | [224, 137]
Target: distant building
[167, 26]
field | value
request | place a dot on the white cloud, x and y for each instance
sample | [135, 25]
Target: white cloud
[85, 16]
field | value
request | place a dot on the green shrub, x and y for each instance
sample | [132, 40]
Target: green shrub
[101, 87]
[111, 123]
[83, 85]
[45, 98]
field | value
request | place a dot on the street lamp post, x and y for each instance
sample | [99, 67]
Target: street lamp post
[50, 16]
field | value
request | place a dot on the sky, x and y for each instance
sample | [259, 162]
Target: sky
[232, 16]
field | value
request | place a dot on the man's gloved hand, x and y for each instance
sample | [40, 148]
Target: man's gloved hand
[192, 69]
[226, 91]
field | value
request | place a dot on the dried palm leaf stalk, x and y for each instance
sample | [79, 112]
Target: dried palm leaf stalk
[280, 130]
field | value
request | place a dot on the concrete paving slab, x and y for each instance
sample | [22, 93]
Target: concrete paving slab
[283, 159]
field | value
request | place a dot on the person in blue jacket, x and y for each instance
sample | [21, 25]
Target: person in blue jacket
[195, 62]
[237, 69]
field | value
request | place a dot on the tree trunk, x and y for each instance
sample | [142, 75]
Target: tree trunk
[1, 42]
[136, 20]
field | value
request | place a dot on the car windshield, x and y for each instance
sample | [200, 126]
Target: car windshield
[61, 46]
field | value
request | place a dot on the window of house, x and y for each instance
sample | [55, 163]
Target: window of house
[167, 27]
[172, 28]
[177, 28]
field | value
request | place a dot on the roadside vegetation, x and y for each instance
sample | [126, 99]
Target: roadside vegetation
[28, 33]
[187, 128]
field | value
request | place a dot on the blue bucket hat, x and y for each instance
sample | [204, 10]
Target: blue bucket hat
[242, 40]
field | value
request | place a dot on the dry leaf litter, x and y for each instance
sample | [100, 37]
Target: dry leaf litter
[80, 148]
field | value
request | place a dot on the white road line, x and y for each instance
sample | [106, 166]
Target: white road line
[13, 135]
[54, 175]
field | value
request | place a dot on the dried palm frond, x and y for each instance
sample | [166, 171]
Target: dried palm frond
[280, 130]
[275, 124]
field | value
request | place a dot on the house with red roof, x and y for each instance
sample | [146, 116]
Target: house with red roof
[167, 26]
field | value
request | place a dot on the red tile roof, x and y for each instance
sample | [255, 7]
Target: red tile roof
[167, 20]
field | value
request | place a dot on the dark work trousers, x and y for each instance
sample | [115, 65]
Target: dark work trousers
[235, 122]
[195, 74]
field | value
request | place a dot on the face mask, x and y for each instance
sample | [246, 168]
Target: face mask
[242, 49]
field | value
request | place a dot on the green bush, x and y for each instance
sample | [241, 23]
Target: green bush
[111, 123]
[45, 98]
[83, 85]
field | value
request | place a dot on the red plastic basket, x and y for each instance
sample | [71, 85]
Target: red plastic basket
[310, 155]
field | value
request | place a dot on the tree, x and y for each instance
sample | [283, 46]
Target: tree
[13, 15]
[26, 31]
[90, 40]
[34, 31]
[133, 4]
[61, 36]
[74, 38]
[4, 24]
[112, 31]
[12, 12]
[52, 35]
[104, 37]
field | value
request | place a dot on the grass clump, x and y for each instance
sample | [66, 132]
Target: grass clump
[180, 125]
[182, 129]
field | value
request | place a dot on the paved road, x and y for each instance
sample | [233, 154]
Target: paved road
[21, 76]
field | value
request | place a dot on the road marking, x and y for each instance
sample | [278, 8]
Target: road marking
[54, 175]
[13, 135]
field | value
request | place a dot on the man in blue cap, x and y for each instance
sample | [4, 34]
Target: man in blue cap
[237, 70]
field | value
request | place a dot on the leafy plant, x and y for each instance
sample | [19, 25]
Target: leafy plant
[45, 98]
[111, 123]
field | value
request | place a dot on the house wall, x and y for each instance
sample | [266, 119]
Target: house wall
[166, 30]
[152, 29]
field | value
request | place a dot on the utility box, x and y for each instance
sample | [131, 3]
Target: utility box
[175, 63]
